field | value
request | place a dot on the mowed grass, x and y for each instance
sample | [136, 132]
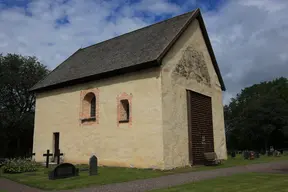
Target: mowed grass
[109, 175]
[248, 182]
[106, 175]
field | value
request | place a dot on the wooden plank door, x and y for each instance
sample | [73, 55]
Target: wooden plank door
[200, 126]
[56, 143]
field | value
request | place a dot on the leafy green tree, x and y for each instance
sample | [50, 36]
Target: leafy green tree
[254, 114]
[17, 75]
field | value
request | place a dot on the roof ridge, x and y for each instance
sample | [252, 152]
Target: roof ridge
[190, 12]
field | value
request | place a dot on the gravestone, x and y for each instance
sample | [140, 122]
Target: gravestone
[251, 155]
[271, 148]
[246, 154]
[262, 152]
[63, 170]
[233, 154]
[257, 154]
[276, 153]
[93, 165]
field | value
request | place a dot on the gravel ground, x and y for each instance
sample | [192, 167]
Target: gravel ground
[161, 182]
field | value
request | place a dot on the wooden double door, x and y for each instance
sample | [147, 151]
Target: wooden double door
[200, 126]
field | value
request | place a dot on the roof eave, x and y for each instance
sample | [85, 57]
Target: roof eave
[36, 87]
[210, 49]
[108, 74]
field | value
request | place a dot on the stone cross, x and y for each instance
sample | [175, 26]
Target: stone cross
[47, 155]
[93, 165]
[58, 155]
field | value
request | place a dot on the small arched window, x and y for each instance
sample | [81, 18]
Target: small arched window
[89, 110]
[124, 107]
[89, 107]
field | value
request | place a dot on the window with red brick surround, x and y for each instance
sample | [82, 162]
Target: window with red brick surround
[124, 106]
[89, 113]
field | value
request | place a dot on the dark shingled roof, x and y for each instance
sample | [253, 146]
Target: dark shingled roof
[139, 49]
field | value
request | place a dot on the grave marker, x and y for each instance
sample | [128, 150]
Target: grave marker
[58, 155]
[246, 155]
[257, 154]
[47, 155]
[233, 154]
[63, 170]
[93, 165]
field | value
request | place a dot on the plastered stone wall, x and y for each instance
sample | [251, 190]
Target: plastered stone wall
[137, 144]
[188, 66]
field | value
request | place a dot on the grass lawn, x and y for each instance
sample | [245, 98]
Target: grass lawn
[108, 175]
[251, 182]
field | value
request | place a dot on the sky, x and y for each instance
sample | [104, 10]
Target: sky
[249, 37]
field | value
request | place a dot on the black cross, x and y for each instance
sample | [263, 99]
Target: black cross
[47, 155]
[58, 154]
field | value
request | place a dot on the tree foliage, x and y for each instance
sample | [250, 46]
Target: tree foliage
[256, 114]
[17, 75]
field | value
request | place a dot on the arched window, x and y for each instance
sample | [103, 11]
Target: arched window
[124, 107]
[89, 110]
[89, 107]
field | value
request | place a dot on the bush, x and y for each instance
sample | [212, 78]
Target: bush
[19, 166]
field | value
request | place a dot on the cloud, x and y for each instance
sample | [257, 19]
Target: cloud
[53, 30]
[249, 37]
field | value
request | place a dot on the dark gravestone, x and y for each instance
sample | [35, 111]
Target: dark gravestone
[257, 154]
[63, 171]
[269, 153]
[246, 154]
[93, 165]
[262, 152]
[233, 154]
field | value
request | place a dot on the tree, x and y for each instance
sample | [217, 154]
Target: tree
[17, 75]
[256, 113]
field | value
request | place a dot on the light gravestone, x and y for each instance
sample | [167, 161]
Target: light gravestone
[93, 165]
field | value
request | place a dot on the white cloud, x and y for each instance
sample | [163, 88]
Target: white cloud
[159, 7]
[249, 37]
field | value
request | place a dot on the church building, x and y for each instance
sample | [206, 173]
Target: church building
[150, 98]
